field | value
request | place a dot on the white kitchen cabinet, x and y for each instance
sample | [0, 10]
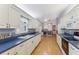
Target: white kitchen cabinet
[73, 50]
[30, 46]
[24, 48]
[33, 43]
[9, 52]
[59, 41]
[71, 19]
[9, 16]
[14, 17]
[3, 15]
[37, 40]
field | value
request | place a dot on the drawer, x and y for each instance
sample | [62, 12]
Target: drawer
[11, 51]
[24, 48]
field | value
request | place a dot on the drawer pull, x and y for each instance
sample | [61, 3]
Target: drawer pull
[21, 45]
[8, 53]
[16, 53]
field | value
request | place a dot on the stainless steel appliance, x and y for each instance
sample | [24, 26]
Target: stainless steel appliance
[65, 46]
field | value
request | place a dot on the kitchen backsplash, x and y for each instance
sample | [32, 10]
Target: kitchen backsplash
[6, 32]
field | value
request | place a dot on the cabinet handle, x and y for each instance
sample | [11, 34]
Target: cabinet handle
[21, 45]
[16, 53]
[8, 53]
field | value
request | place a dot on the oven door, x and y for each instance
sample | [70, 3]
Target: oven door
[65, 46]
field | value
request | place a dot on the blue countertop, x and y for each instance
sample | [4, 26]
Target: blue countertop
[68, 38]
[75, 44]
[71, 40]
[12, 43]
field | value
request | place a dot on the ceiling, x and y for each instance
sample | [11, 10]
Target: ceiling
[43, 12]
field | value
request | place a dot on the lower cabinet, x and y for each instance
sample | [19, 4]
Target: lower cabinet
[73, 50]
[10, 52]
[59, 41]
[24, 48]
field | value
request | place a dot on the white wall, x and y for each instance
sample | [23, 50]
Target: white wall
[48, 26]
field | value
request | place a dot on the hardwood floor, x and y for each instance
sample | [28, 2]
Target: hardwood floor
[47, 46]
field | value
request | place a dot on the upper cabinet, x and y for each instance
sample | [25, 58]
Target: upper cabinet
[4, 15]
[70, 20]
[14, 17]
[11, 17]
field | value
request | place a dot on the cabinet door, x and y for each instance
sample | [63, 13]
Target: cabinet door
[59, 41]
[73, 50]
[37, 40]
[11, 51]
[3, 15]
[21, 49]
[25, 48]
[30, 45]
[14, 17]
